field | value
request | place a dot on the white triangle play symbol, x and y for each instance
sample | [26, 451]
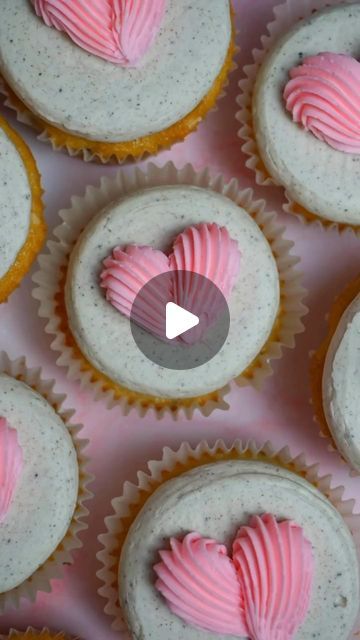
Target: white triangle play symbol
[178, 320]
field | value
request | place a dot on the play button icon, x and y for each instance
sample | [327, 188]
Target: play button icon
[179, 320]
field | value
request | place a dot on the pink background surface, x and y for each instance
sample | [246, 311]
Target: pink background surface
[119, 446]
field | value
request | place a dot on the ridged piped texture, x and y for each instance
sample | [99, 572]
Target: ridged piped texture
[205, 249]
[208, 250]
[199, 582]
[323, 96]
[263, 593]
[275, 566]
[126, 273]
[11, 465]
[120, 31]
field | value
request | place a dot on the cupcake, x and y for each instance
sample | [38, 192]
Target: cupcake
[302, 128]
[191, 551]
[112, 80]
[166, 223]
[42, 484]
[32, 634]
[22, 227]
[335, 377]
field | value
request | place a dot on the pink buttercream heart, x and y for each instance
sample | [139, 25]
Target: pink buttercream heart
[204, 249]
[120, 31]
[262, 593]
[11, 464]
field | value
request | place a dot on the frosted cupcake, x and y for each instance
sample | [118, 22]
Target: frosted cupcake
[302, 129]
[194, 557]
[22, 227]
[88, 290]
[335, 375]
[42, 484]
[111, 80]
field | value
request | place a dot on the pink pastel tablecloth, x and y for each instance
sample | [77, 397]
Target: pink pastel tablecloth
[120, 446]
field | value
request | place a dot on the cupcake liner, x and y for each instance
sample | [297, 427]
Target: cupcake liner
[139, 149]
[175, 463]
[52, 274]
[52, 568]
[317, 363]
[286, 15]
[34, 634]
[37, 228]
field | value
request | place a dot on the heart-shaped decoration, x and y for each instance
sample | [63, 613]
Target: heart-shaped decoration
[323, 95]
[11, 464]
[205, 249]
[125, 274]
[262, 593]
[120, 31]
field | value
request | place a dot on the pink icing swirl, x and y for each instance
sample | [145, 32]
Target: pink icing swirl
[277, 597]
[323, 96]
[120, 31]
[126, 273]
[263, 593]
[205, 249]
[209, 250]
[11, 465]
[199, 582]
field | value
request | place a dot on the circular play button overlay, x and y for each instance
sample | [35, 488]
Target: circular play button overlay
[180, 320]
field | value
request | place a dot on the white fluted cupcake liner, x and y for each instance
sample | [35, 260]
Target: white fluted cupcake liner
[25, 116]
[52, 568]
[286, 16]
[34, 634]
[53, 265]
[174, 463]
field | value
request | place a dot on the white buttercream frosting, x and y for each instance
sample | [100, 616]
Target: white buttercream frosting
[15, 203]
[341, 385]
[85, 95]
[155, 217]
[45, 498]
[214, 501]
[323, 180]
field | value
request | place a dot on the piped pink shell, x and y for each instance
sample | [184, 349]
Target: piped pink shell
[125, 274]
[263, 593]
[120, 31]
[275, 566]
[199, 582]
[323, 96]
[205, 249]
[11, 465]
[209, 250]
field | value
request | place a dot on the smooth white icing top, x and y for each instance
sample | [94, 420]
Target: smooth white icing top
[85, 95]
[341, 385]
[155, 217]
[323, 180]
[214, 501]
[15, 203]
[45, 498]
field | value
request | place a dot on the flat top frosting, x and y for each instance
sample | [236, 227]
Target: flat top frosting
[341, 398]
[214, 500]
[155, 217]
[15, 203]
[88, 96]
[323, 180]
[45, 498]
